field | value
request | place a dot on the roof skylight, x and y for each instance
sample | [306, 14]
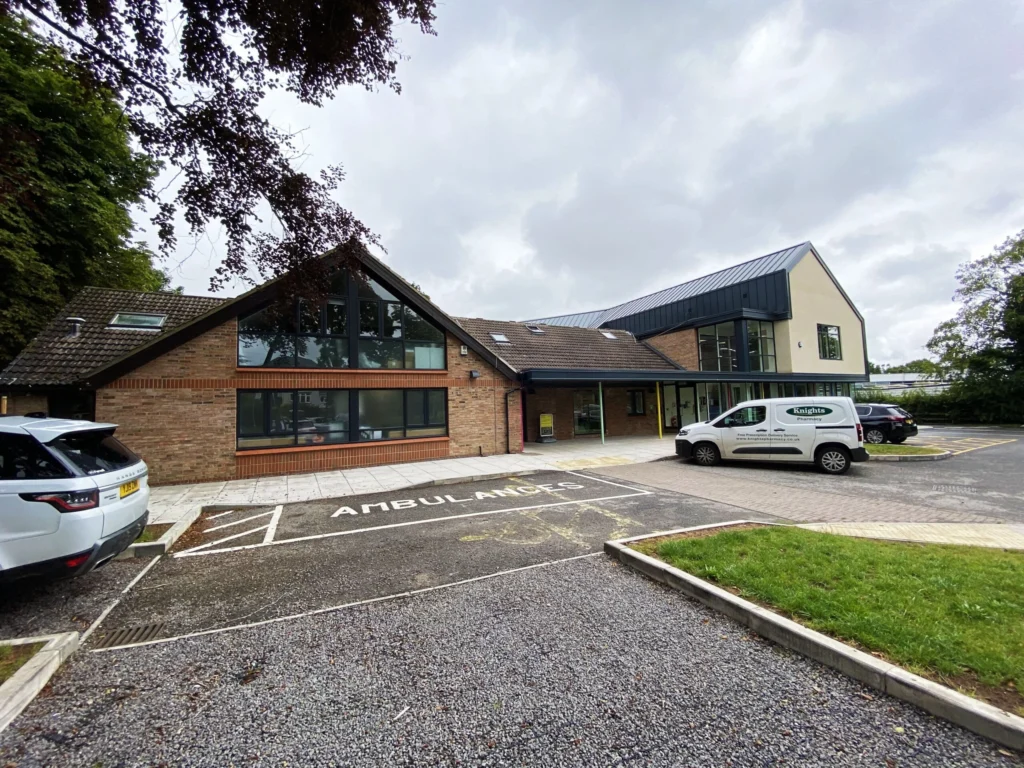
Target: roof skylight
[534, 328]
[501, 338]
[142, 321]
[609, 335]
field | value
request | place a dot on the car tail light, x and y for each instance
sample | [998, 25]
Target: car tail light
[899, 419]
[860, 432]
[77, 560]
[67, 501]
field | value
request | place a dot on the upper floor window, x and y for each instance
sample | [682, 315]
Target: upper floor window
[829, 346]
[360, 325]
[761, 345]
[717, 347]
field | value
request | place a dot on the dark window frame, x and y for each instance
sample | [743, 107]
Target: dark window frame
[760, 356]
[824, 332]
[735, 358]
[353, 298]
[631, 403]
[354, 431]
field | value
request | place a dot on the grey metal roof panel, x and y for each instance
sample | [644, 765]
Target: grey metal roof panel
[578, 320]
[785, 259]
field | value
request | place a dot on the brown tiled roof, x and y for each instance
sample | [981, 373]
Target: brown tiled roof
[55, 358]
[565, 347]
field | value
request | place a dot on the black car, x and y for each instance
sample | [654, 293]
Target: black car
[885, 423]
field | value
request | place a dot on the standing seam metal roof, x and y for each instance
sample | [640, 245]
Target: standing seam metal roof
[785, 259]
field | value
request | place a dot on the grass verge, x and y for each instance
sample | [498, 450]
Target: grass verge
[13, 657]
[885, 449]
[152, 533]
[954, 614]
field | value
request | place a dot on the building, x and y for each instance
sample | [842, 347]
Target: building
[215, 389]
[902, 383]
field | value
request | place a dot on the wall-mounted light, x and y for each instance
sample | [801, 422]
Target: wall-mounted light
[463, 350]
[474, 374]
[800, 344]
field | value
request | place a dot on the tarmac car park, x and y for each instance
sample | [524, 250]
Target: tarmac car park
[477, 623]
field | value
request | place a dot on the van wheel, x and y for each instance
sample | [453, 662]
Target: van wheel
[706, 454]
[874, 436]
[833, 460]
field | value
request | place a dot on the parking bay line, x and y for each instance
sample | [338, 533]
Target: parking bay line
[343, 606]
[202, 549]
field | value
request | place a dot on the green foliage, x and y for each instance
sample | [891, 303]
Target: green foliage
[987, 331]
[922, 365]
[938, 609]
[67, 177]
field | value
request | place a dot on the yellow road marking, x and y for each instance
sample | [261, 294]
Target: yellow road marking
[959, 445]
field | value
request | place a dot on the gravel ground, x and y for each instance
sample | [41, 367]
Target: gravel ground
[582, 663]
[34, 607]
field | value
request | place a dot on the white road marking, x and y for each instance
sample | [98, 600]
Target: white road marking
[221, 514]
[106, 611]
[237, 522]
[221, 541]
[609, 482]
[272, 528]
[203, 548]
[356, 604]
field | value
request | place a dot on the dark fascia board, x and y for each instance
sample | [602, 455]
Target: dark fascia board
[736, 314]
[263, 295]
[553, 376]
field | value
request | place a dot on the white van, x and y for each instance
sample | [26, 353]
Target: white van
[821, 430]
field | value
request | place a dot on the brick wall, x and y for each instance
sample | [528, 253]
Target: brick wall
[679, 346]
[19, 405]
[178, 413]
[559, 401]
[477, 407]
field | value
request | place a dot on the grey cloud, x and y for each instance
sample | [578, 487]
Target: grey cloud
[547, 157]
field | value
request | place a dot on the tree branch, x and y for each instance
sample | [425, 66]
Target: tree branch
[124, 70]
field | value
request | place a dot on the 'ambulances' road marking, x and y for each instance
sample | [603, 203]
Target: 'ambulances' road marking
[402, 504]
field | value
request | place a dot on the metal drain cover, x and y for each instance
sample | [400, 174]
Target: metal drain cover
[130, 635]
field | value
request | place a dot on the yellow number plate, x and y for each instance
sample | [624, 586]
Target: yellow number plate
[127, 489]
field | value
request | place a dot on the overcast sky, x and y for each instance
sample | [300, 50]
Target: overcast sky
[549, 157]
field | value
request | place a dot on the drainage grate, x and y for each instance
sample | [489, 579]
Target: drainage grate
[954, 489]
[130, 635]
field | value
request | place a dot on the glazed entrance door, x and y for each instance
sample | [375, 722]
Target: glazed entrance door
[586, 413]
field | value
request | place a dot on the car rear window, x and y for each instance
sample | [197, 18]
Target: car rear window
[864, 411]
[94, 452]
[23, 458]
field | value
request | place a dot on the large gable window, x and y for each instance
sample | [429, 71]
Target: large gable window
[360, 325]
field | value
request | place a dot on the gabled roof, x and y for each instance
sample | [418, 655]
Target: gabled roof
[565, 347]
[778, 261]
[55, 358]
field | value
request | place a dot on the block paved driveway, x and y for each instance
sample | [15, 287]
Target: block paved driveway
[984, 485]
[454, 626]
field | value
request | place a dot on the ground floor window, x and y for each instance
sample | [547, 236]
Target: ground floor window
[635, 402]
[297, 417]
[686, 403]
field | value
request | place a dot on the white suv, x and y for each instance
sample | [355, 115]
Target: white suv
[71, 496]
[825, 431]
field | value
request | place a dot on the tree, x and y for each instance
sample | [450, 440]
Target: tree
[921, 365]
[192, 77]
[982, 348]
[986, 330]
[67, 175]
[875, 368]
